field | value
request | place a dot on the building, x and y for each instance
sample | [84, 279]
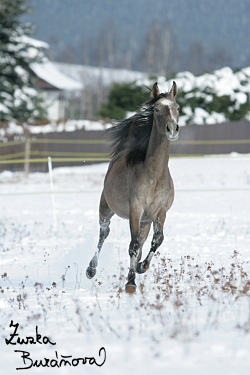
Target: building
[56, 87]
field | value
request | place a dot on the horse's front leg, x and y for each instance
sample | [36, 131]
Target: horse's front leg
[105, 214]
[136, 212]
[156, 241]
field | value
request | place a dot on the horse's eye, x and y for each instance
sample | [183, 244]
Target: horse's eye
[157, 110]
[178, 108]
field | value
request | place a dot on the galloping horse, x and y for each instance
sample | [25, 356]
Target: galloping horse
[138, 185]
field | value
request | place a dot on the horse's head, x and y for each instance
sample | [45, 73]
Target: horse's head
[166, 112]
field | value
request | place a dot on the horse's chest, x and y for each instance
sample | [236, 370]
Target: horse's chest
[157, 196]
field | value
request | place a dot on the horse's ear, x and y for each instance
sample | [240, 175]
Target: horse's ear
[155, 91]
[174, 91]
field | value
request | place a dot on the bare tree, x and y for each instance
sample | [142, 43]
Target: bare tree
[69, 55]
[152, 45]
[165, 45]
[52, 52]
[174, 58]
[111, 45]
[128, 54]
[195, 58]
[85, 51]
[158, 49]
[219, 58]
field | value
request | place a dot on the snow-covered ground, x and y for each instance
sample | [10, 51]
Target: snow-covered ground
[191, 311]
[53, 126]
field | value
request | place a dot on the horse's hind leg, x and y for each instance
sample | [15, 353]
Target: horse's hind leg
[156, 241]
[105, 215]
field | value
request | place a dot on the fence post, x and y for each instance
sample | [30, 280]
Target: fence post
[27, 157]
[26, 149]
[52, 193]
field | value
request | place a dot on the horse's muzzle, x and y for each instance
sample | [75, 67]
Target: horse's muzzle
[172, 139]
[172, 132]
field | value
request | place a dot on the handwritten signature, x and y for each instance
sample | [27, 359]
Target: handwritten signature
[58, 361]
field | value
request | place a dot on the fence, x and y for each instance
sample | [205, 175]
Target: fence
[80, 146]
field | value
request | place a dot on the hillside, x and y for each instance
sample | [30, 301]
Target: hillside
[215, 33]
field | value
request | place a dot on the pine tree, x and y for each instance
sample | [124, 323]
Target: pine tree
[19, 100]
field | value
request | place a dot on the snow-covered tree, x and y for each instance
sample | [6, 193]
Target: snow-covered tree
[19, 99]
[219, 96]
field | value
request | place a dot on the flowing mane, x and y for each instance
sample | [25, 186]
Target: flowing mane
[133, 134]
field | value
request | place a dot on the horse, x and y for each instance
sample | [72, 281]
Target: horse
[138, 185]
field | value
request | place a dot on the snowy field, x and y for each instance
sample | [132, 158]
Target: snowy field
[191, 311]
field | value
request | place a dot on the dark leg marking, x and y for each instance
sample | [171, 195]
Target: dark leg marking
[135, 215]
[134, 252]
[91, 270]
[156, 242]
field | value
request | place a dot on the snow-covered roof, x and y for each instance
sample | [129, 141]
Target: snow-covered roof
[91, 75]
[49, 73]
[34, 42]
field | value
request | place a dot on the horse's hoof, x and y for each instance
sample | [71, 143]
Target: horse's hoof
[130, 288]
[94, 262]
[90, 272]
[141, 267]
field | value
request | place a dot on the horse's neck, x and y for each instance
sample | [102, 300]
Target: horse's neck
[158, 153]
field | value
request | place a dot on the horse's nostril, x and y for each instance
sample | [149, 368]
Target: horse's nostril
[168, 129]
[177, 128]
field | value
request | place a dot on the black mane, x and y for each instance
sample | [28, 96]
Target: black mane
[133, 134]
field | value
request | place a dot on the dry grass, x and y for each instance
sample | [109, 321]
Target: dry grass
[178, 300]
